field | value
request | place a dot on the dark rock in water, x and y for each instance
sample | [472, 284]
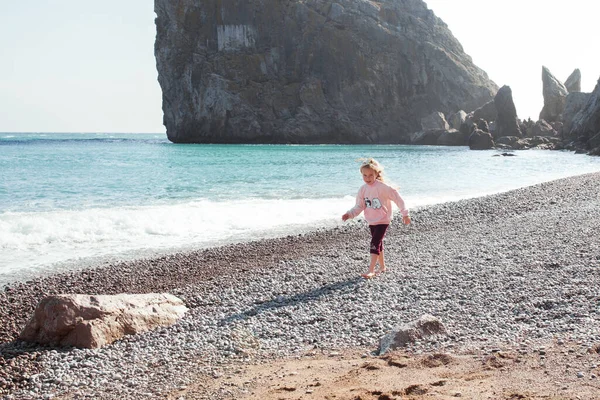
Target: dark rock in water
[310, 71]
[507, 123]
[480, 140]
[573, 82]
[504, 155]
[555, 95]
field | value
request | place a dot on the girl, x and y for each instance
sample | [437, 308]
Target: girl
[375, 199]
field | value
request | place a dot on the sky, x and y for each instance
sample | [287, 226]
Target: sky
[82, 66]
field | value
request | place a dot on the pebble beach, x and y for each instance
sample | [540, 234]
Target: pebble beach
[513, 270]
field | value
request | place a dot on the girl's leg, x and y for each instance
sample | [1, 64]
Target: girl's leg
[374, 258]
[377, 233]
[381, 261]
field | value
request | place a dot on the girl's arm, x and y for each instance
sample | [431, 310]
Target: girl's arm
[396, 198]
[357, 209]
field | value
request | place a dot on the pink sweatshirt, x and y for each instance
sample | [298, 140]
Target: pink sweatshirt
[375, 200]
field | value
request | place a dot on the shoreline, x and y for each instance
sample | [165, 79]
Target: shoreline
[516, 267]
[132, 256]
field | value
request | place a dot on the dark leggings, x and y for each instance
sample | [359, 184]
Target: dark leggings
[377, 234]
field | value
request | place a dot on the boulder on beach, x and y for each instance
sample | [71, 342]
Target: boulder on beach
[87, 321]
[424, 327]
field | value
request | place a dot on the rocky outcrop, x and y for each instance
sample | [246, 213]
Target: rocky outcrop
[542, 128]
[94, 321]
[585, 126]
[487, 112]
[435, 120]
[310, 71]
[575, 102]
[452, 137]
[555, 95]
[426, 138]
[507, 123]
[573, 82]
[457, 119]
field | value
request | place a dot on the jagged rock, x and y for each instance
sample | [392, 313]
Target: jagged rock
[487, 112]
[573, 82]
[483, 125]
[555, 95]
[586, 123]
[434, 121]
[468, 126]
[308, 71]
[426, 137]
[507, 123]
[526, 127]
[480, 140]
[543, 142]
[87, 321]
[575, 102]
[452, 137]
[542, 128]
[512, 142]
[457, 119]
[558, 127]
[594, 142]
[422, 328]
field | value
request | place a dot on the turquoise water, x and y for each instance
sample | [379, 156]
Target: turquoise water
[68, 200]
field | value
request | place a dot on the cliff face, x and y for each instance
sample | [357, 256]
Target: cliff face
[308, 71]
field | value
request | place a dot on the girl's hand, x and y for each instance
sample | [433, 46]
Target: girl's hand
[345, 217]
[406, 220]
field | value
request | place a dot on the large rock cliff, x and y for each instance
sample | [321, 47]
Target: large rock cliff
[308, 71]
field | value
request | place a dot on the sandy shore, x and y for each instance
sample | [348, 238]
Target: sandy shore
[513, 272]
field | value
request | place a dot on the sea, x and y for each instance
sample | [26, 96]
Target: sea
[74, 200]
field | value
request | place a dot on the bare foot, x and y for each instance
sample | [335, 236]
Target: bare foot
[369, 275]
[381, 271]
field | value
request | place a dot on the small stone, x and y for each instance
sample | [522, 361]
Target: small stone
[580, 374]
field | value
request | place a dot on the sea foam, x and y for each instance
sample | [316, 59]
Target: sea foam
[33, 241]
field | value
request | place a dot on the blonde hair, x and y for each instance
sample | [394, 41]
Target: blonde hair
[371, 163]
